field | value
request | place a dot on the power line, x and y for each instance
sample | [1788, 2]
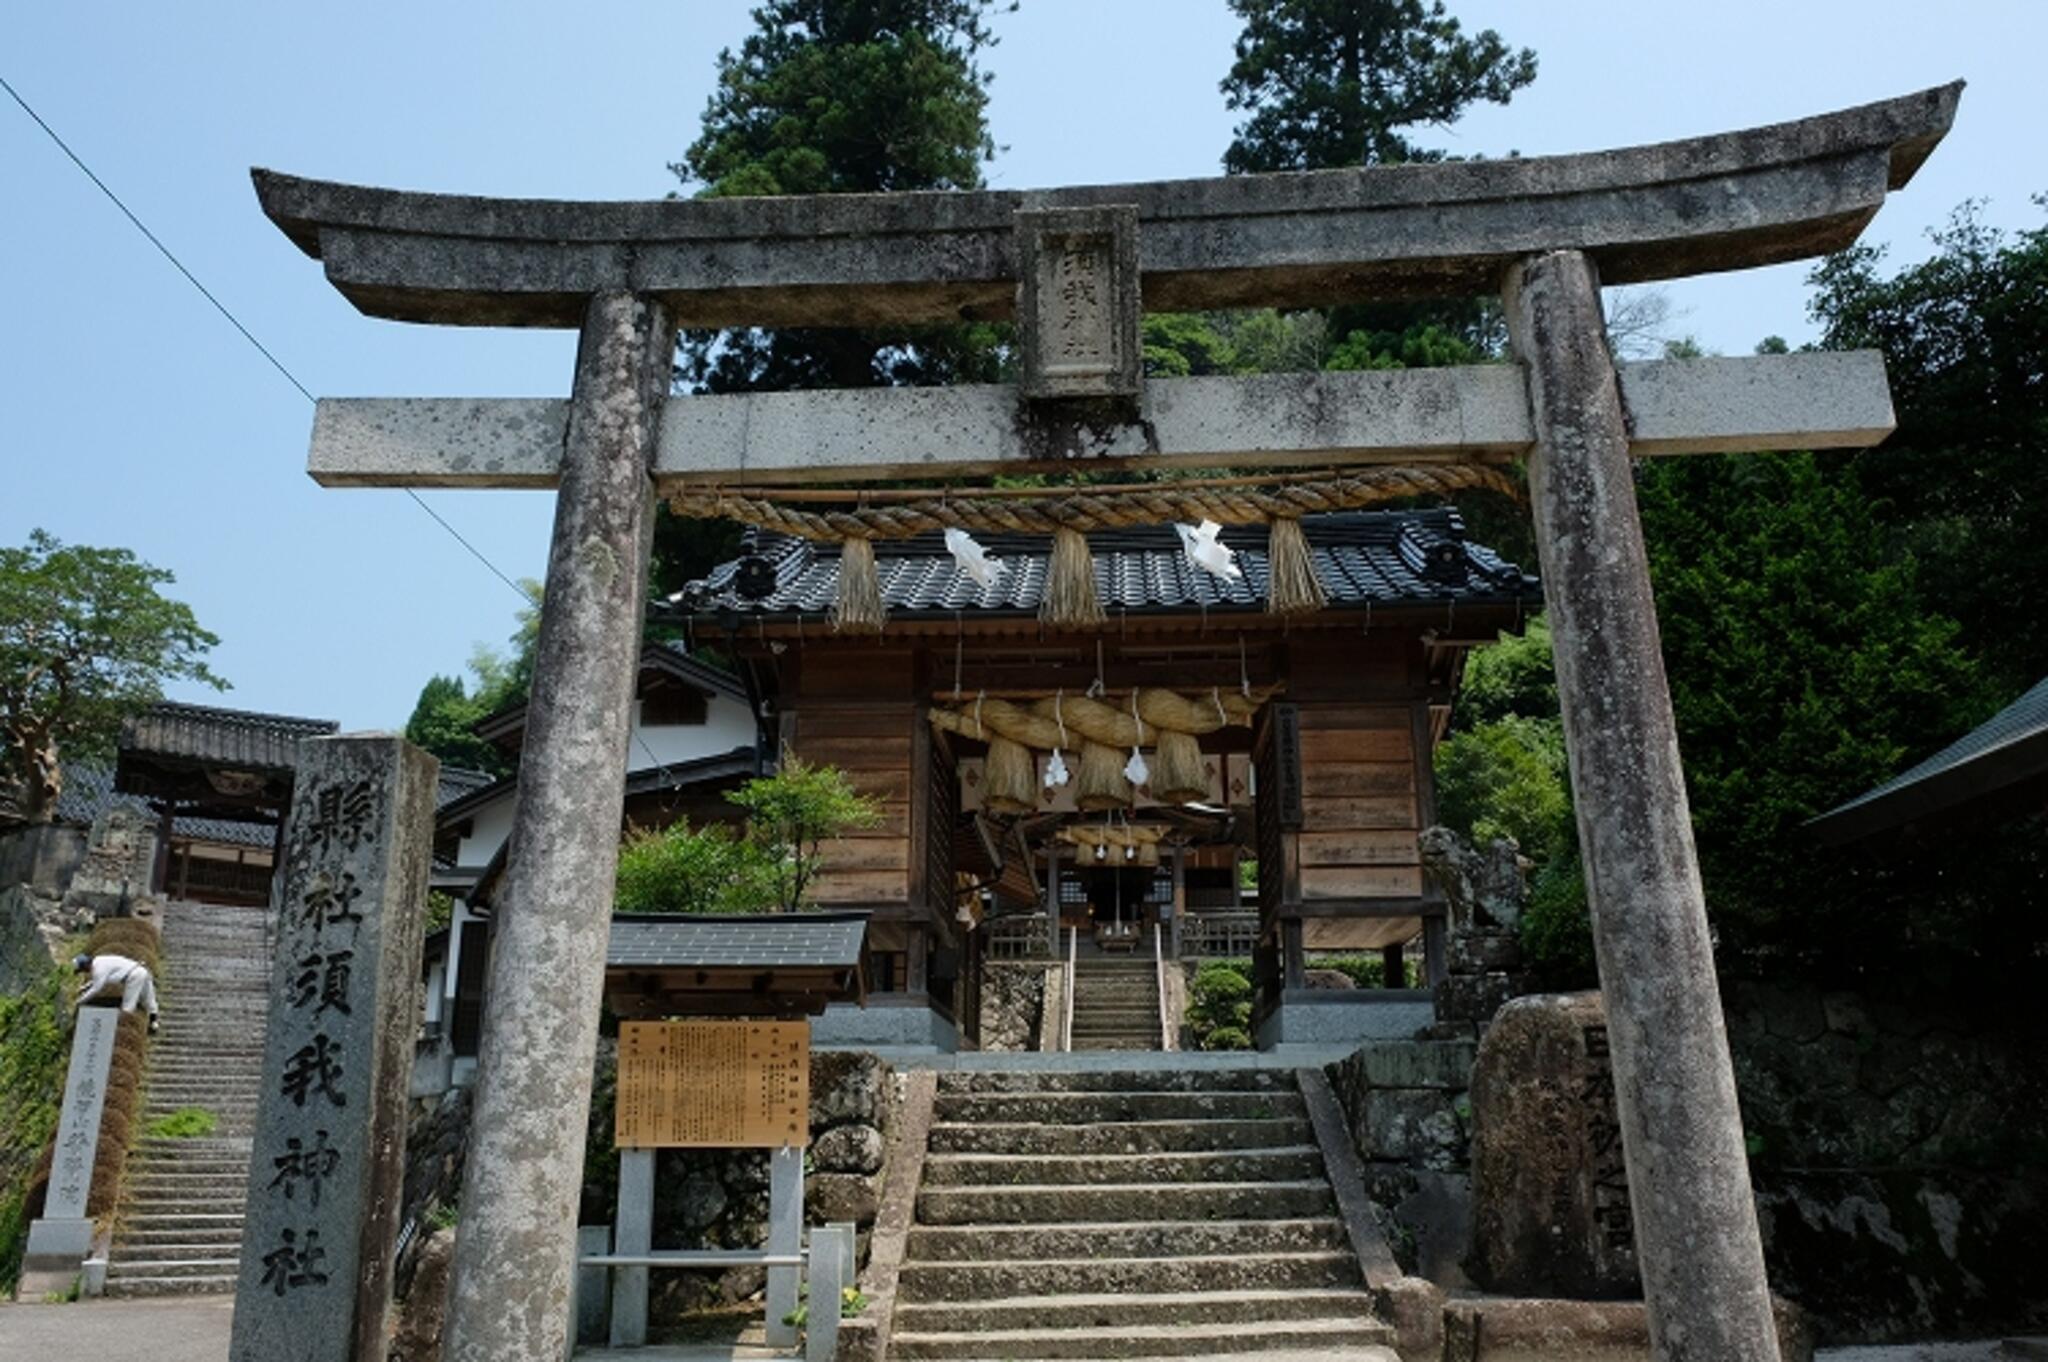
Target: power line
[235, 321]
[527, 596]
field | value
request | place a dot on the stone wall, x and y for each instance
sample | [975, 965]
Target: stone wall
[1012, 1004]
[1899, 1148]
[703, 1198]
[1407, 1105]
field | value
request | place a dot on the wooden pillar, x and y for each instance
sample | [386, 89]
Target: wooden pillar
[1436, 966]
[1695, 1222]
[1293, 960]
[509, 1294]
[161, 873]
[1393, 968]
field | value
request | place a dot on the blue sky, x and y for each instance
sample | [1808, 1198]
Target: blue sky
[135, 416]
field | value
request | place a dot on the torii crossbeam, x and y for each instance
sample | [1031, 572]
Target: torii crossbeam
[1075, 267]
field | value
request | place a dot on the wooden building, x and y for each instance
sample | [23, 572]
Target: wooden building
[1320, 777]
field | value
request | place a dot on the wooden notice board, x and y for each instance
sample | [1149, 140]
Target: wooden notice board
[714, 1084]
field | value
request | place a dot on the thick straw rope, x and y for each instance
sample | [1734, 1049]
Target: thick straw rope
[1081, 509]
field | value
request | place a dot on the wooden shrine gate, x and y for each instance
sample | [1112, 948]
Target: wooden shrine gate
[1075, 267]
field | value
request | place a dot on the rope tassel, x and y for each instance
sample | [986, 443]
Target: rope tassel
[859, 608]
[1070, 601]
[1292, 587]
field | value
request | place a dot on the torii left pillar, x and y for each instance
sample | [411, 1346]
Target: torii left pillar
[509, 1293]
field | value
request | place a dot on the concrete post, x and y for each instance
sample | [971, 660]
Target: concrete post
[1695, 1224]
[509, 1294]
[785, 1235]
[633, 1234]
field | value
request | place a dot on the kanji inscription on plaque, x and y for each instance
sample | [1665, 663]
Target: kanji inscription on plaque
[714, 1084]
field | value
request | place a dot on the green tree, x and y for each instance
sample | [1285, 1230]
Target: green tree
[445, 716]
[1806, 665]
[444, 722]
[792, 813]
[1963, 483]
[1336, 82]
[836, 97]
[86, 640]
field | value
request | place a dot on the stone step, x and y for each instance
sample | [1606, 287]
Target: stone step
[1124, 1137]
[1088, 1108]
[201, 1144]
[202, 1189]
[979, 1281]
[141, 1258]
[1128, 1239]
[1294, 1163]
[224, 1239]
[180, 1221]
[1055, 1205]
[1337, 1340]
[1136, 1045]
[1118, 1310]
[1117, 1080]
[161, 1165]
[176, 1267]
[216, 1284]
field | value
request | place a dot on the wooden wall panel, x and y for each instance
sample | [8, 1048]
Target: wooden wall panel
[870, 741]
[1360, 882]
[1362, 802]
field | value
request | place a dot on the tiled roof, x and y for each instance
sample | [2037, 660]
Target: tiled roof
[89, 791]
[765, 941]
[2010, 746]
[228, 737]
[1383, 558]
[458, 782]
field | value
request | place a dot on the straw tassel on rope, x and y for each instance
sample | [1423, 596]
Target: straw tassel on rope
[1292, 587]
[859, 608]
[1069, 601]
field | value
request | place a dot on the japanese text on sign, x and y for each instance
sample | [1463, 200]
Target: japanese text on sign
[717, 1085]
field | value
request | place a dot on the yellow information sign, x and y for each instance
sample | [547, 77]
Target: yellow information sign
[714, 1084]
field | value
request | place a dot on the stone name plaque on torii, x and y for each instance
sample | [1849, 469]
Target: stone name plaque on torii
[326, 1166]
[1543, 233]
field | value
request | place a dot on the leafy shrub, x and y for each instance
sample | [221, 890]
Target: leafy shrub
[35, 1047]
[773, 865]
[186, 1123]
[1220, 1006]
[681, 869]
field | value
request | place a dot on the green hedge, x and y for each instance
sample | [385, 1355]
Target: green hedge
[35, 1046]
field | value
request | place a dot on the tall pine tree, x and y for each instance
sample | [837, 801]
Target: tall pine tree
[836, 97]
[1332, 83]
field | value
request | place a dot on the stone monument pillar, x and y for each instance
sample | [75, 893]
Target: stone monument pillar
[1696, 1231]
[327, 1165]
[1550, 1202]
[60, 1239]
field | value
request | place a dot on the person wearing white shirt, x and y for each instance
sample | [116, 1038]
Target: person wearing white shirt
[106, 972]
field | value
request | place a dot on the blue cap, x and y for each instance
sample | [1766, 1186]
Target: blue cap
[81, 962]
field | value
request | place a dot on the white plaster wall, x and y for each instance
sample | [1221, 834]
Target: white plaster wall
[489, 826]
[726, 725]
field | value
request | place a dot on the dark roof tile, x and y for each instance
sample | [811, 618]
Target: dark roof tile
[1362, 557]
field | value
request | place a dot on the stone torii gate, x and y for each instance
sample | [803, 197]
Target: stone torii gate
[1074, 267]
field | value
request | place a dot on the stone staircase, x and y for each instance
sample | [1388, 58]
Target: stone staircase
[1167, 1213]
[1116, 1004]
[179, 1228]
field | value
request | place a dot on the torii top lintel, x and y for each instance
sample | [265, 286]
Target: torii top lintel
[1783, 192]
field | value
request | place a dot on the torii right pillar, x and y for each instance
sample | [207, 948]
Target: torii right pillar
[1695, 1222]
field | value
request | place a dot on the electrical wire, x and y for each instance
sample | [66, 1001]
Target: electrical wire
[531, 598]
